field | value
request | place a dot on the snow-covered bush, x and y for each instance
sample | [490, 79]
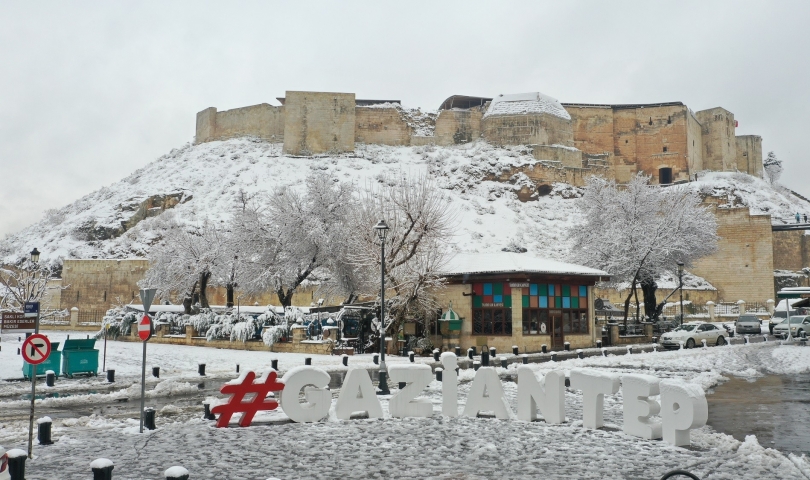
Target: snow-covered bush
[273, 334]
[245, 329]
[116, 322]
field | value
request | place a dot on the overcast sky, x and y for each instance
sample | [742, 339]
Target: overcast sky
[91, 91]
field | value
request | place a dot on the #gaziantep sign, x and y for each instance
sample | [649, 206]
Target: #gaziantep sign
[680, 408]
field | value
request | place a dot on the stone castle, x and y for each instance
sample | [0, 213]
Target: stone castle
[667, 141]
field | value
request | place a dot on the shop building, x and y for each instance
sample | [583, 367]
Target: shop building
[505, 299]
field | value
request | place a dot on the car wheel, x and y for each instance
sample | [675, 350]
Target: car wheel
[690, 343]
[721, 340]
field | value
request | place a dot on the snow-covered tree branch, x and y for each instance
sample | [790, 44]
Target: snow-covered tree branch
[22, 283]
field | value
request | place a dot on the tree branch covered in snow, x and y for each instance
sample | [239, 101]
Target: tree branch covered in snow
[22, 283]
[773, 167]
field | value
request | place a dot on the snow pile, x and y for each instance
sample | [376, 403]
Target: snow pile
[523, 103]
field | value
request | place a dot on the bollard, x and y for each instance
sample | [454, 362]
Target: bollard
[567, 346]
[376, 359]
[50, 378]
[746, 340]
[176, 473]
[111, 375]
[237, 368]
[681, 345]
[16, 463]
[470, 353]
[149, 419]
[655, 348]
[345, 360]
[19, 339]
[553, 356]
[525, 359]
[765, 338]
[102, 469]
[458, 352]
[544, 348]
[654, 339]
[599, 344]
[580, 353]
[156, 371]
[504, 363]
[604, 352]
[439, 374]
[44, 431]
[629, 350]
[515, 350]
[474, 351]
[274, 364]
[567, 382]
[207, 414]
[201, 369]
[484, 359]
[411, 356]
[436, 354]
[492, 353]
[308, 361]
[18, 351]
[476, 365]
[704, 343]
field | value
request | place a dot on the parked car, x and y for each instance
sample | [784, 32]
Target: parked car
[693, 333]
[798, 324]
[4, 475]
[747, 323]
[778, 317]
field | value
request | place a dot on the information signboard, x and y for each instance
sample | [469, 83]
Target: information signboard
[15, 322]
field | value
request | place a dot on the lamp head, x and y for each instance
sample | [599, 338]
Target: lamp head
[680, 268]
[382, 229]
[35, 255]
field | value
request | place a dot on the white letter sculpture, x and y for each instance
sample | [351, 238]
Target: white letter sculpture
[683, 407]
[486, 395]
[357, 395]
[449, 384]
[594, 386]
[638, 408]
[405, 403]
[319, 398]
[549, 396]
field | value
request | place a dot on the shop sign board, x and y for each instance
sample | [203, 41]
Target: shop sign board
[15, 322]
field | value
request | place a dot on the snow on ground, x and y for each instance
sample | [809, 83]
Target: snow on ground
[436, 447]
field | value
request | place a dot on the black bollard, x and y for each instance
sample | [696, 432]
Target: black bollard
[176, 473]
[16, 464]
[156, 371]
[18, 351]
[629, 350]
[439, 372]
[436, 355]
[476, 365]
[237, 368]
[515, 350]
[525, 359]
[553, 356]
[654, 339]
[484, 358]
[567, 382]
[567, 346]
[580, 354]
[376, 359]
[201, 369]
[599, 344]
[19, 339]
[274, 364]
[458, 351]
[544, 348]
[102, 469]
[110, 375]
[765, 338]
[308, 361]
[44, 431]
[50, 378]
[492, 353]
[504, 363]
[470, 353]
[345, 360]
[149, 419]
[411, 357]
[402, 385]
[207, 414]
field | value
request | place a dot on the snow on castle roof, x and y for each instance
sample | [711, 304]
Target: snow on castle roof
[523, 103]
[507, 262]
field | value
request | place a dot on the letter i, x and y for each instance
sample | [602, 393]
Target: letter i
[449, 384]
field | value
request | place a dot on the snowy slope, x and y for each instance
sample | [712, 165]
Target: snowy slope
[207, 179]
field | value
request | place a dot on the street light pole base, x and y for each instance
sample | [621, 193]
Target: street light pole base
[382, 389]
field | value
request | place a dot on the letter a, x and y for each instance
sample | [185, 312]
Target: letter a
[357, 395]
[449, 385]
[549, 396]
[486, 395]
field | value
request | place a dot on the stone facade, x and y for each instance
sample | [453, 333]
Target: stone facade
[98, 284]
[318, 123]
[264, 121]
[527, 129]
[791, 250]
[749, 155]
[380, 125]
[458, 126]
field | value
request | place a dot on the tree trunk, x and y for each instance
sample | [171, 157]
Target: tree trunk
[648, 288]
[627, 301]
[638, 306]
[204, 277]
[189, 300]
[285, 297]
[229, 295]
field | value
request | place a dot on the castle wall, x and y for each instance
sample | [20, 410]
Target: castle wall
[661, 141]
[791, 250]
[384, 126]
[454, 127]
[528, 129]
[694, 143]
[742, 267]
[263, 121]
[749, 154]
[568, 157]
[319, 122]
[719, 143]
[593, 128]
[98, 284]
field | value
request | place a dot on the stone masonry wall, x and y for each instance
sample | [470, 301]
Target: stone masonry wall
[749, 154]
[791, 250]
[530, 129]
[264, 121]
[319, 122]
[742, 267]
[384, 126]
[98, 284]
[454, 127]
[719, 142]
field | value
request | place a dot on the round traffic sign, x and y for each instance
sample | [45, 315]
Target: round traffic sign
[145, 328]
[36, 349]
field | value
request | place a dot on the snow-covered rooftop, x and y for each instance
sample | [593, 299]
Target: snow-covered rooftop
[507, 262]
[522, 103]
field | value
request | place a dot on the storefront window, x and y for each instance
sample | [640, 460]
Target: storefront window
[570, 300]
[492, 309]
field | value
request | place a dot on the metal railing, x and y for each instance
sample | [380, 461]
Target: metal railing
[91, 316]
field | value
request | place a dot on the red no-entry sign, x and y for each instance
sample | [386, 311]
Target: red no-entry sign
[36, 349]
[145, 328]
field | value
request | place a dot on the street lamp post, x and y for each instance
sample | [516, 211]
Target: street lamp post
[382, 231]
[680, 286]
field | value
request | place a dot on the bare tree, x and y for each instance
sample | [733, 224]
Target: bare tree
[26, 282]
[640, 232]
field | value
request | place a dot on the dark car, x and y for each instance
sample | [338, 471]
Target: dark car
[747, 323]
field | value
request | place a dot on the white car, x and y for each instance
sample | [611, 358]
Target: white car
[692, 334]
[798, 324]
[4, 475]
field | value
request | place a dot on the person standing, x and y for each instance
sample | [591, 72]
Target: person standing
[797, 217]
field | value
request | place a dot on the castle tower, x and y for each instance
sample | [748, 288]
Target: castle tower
[719, 140]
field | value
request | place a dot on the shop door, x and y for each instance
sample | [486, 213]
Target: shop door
[557, 338]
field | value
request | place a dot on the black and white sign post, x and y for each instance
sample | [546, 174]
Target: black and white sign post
[35, 350]
[145, 330]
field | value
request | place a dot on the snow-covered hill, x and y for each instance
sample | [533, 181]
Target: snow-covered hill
[206, 182]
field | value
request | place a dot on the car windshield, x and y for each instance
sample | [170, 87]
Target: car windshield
[749, 318]
[686, 328]
[796, 320]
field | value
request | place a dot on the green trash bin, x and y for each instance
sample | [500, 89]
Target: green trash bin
[53, 362]
[79, 356]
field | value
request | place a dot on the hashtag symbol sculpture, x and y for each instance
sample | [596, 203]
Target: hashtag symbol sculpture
[248, 409]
